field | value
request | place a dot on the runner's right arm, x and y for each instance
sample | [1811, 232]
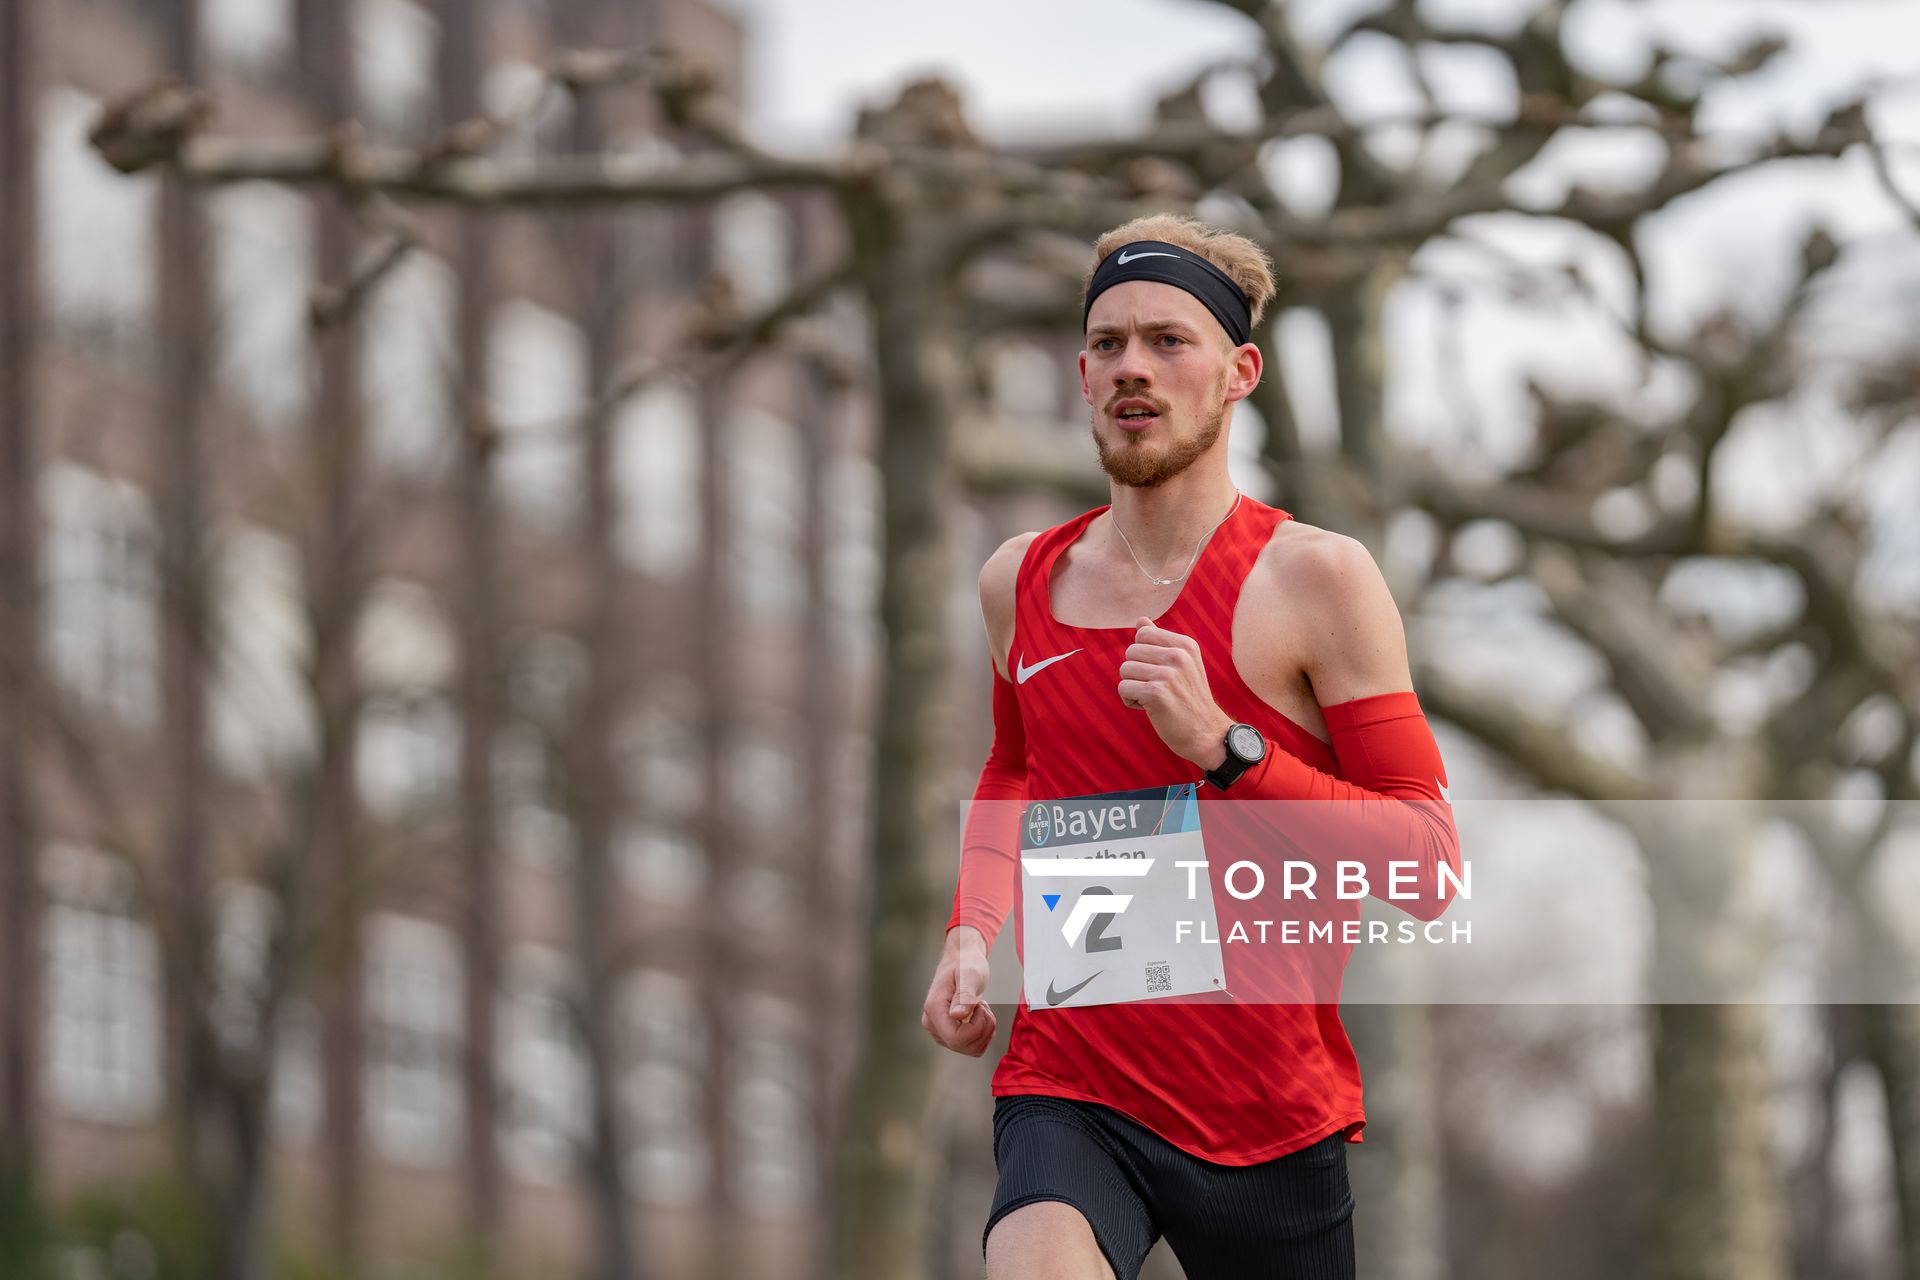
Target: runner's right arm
[955, 1013]
[990, 843]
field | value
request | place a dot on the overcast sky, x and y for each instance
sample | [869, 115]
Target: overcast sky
[1052, 65]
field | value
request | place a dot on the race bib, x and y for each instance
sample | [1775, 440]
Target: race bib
[1109, 913]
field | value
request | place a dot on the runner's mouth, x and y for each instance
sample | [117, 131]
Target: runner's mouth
[1135, 418]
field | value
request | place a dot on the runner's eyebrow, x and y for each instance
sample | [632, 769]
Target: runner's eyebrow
[1154, 326]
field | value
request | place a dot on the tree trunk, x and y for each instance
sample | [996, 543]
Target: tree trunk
[595, 787]
[595, 892]
[19, 887]
[334, 570]
[336, 817]
[1397, 1185]
[241, 1232]
[822, 699]
[193, 1085]
[480, 664]
[1721, 1214]
[719, 972]
[1359, 366]
[1892, 1035]
[888, 1155]
[1720, 1211]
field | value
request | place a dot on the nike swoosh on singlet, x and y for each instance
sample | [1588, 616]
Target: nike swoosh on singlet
[1022, 672]
[1056, 997]
[1444, 793]
[1126, 257]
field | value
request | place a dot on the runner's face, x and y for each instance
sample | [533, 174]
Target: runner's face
[1156, 374]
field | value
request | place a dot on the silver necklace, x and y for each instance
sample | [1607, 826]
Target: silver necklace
[1192, 559]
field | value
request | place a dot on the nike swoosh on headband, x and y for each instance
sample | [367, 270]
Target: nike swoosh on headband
[1126, 257]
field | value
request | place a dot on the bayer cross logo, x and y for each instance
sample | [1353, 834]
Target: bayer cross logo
[1039, 827]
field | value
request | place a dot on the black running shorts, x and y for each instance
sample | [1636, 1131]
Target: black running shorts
[1290, 1218]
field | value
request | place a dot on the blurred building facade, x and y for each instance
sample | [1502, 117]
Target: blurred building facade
[740, 740]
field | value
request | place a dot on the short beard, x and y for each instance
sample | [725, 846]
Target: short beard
[1133, 465]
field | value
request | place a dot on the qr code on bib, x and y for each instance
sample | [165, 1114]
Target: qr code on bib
[1159, 977]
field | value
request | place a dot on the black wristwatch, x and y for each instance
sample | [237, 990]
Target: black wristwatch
[1245, 749]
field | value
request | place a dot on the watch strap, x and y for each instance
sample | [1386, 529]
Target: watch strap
[1228, 773]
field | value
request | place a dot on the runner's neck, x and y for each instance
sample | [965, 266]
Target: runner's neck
[1164, 523]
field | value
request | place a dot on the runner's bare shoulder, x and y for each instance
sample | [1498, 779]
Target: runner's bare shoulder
[1350, 636]
[997, 580]
[1301, 563]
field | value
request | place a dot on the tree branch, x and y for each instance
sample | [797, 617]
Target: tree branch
[1539, 747]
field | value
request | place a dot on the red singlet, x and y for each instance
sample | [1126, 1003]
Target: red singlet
[1235, 1083]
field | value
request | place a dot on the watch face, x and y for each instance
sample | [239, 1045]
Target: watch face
[1245, 741]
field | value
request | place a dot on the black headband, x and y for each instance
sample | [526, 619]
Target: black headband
[1183, 269]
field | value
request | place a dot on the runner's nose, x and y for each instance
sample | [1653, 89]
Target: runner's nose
[1132, 366]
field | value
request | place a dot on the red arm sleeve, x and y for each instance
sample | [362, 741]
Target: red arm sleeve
[990, 842]
[1390, 810]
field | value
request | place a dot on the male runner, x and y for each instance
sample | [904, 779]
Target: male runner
[1184, 632]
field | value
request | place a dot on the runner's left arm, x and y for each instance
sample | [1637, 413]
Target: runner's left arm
[1388, 810]
[1390, 804]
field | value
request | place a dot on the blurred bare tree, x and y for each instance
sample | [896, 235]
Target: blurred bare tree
[954, 243]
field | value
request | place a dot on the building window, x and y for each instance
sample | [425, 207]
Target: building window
[538, 826]
[404, 651]
[515, 89]
[101, 616]
[261, 705]
[404, 643]
[762, 781]
[661, 749]
[852, 501]
[771, 1112]
[657, 471]
[248, 35]
[394, 46]
[244, 917]
[664, 1044]
[407, 339]
[763, 900]
[414, 1087]
[850, 774]
[298, 1099]
[544, 1066]
[408, 756]
[661, 753]
[547, 673]
[262, 250]
[537, 373]
[753, 248]
[766, 466]
[98, 231]
[102, 993]
[662, 860]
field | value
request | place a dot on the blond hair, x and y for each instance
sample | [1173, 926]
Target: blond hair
[1245, 262]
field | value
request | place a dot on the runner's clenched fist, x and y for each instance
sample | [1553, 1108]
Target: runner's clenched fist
[955, 1014]
[1165, 676]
